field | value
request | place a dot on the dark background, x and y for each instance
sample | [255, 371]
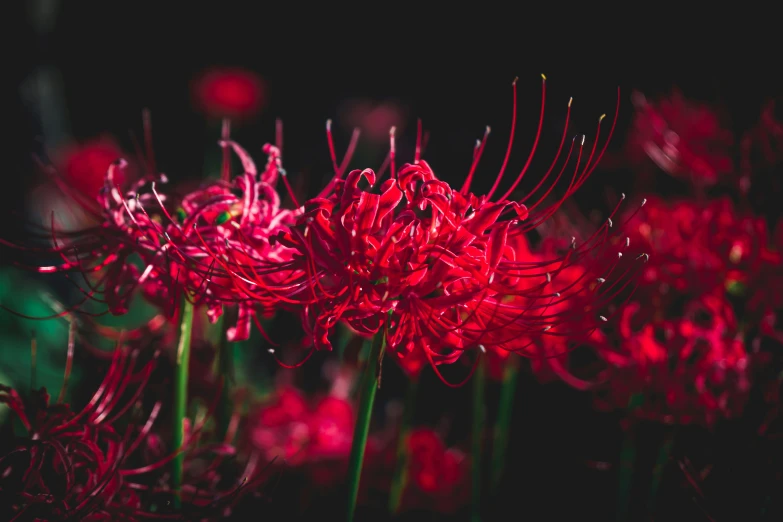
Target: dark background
[115, 61]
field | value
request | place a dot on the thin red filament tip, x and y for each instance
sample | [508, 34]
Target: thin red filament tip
[279, 136]
[288, 188]
[417, 154]
[510, 142]
[68, 359]
[478, 151]
[392, 151]
[535, 143]
[330, 141]
[225, 134]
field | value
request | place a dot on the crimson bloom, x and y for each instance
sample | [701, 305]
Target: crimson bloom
[84, 165]
[229, 93]
[437, 475]
[89, 465]
[685, 139]
[431, 265]
[176, 238]
[689, 369]
[292, 428]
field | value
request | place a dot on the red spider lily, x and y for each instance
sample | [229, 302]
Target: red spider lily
[683, 138]
[176, 247]
[301, 433]
[229, 93]
[438, 476]
[84, 166]
[430, 264]
[85, 465]
[694, 368]
[699, 247]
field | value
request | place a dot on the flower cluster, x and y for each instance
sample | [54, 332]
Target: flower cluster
[440, 270]
[99, 464]
[684, 138]
[187, 244]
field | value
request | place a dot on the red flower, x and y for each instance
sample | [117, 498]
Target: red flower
[292, 429]
[84, 166]
[683, 138]
[690, 369]
[429, 264]
[79, 466]
[229, 93]
[193, 248]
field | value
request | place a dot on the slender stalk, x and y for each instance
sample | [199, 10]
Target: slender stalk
[400, 479]
[627, 459]
[660, 465]
[367, 390]
[479, 415]
[225, 371]
[508, 390]
[625, 475]
[181, 394]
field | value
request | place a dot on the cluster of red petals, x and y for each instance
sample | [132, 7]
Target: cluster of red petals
[187, 245]
[229, 93]
[685, 139]
[84, 165]
[437, 475]
[440, 270]
[94, 465]
[292, 428]
[679, 354]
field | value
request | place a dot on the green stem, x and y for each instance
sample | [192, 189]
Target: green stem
[181, 394]
[479, 415]
[625, 475]
[225, 370]
[660, 465]
[400, 479]
[367, 390]
[503, 426]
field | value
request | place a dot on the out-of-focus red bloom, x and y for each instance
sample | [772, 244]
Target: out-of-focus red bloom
[432, 265]
[438, 476]
[699, 247]
[690, 369]
[291, 428]
[84, 165]
[375, 119]
[85, 465]
[685, 139]
[229, 93]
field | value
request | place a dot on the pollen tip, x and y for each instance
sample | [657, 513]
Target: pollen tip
[570, 101]
[516, 78]
[622, 195]
[329, 124]
[271, 350]
[604, 319]
[487, 130]
[644, 201]
[482, 348]
[543, 76]
[583, 139]
[600, 118]
[392, 131]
